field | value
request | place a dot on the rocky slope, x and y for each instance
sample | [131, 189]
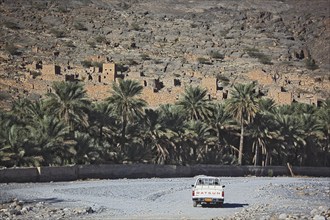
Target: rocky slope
[168, 38]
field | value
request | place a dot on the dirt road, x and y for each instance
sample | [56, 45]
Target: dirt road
[247, 197]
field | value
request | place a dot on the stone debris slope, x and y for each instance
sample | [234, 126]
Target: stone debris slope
[212, 38]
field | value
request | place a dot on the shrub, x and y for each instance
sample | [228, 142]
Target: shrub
[270, 173]
[121, 68]
[136, 27]
[100, 39]
[62, 9]
[57, 33]
[12, 50]
[40, 6]
[145, 57]
[11, 25]
[70, 44]
[35, 74]
[216, 55]
[310, 64]
[222, 78]
[79, 26]
[88, 64]
[193, 25]
[255, 53]
[4, 96]
[131, 62]
[203, 60]
[92, 44]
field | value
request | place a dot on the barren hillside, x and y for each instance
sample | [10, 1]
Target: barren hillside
[284, 45]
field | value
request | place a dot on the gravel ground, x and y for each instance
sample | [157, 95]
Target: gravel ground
[245, 198]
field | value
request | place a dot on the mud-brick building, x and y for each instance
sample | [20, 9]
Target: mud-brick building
[280, 95]
[108, 74]
[51, 72]
[211, 84]
[262, 77]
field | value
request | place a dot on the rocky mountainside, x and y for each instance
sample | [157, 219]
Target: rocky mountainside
[222, 38]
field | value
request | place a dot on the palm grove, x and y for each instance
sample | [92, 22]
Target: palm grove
[65, 127]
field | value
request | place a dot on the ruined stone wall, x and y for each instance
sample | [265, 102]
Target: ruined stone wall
[261, 76]
[97, 91]
[280, 97]
[51, 72]
[114, 171]
[108, 74]
[165, 96]
[210, 84]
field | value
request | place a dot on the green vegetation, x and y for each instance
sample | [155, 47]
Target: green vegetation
[87, 64]
[223, 79]
[255, 53]
[145, 57]
[216, 55]
[203, 60]
[13, 50]
[70, 44]
[121, 67]
[193, 25]
[57, 33]
[136, 27]
[65, 127]
[100, 39]
[92, 44]
[62, 9]
[11, 25]
[310, 64]
[35, 74]
[79, 26]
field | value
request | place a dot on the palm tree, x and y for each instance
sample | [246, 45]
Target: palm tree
[5, 149]
[173, 119]
[102, 119]
[88, 149]
[199, 136]
[15, 150]
[222, 124]
[290, 133]
[126, 103]
[195, 103]
[324, 116]
[157, 136]
[19, 112]
[49, 136]
[312, 134]
[242, 105]
[262, 131]
[69, 102]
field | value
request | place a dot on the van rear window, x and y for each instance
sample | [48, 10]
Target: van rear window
[208, 181]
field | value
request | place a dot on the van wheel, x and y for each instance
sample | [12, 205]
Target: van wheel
[195, 203]
[220, 204]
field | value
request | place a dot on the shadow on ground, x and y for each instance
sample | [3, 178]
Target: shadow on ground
[227, 205]
[234, 205]
[46, 200]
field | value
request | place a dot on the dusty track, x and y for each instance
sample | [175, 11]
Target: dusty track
[249, 197]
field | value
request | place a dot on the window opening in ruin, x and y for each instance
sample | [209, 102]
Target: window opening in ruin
[177, 82]
[225, 95]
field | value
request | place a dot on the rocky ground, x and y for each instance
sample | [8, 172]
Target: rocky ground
[245, 198]
[170, 37]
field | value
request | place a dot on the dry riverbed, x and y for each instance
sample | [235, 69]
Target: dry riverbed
[245, 198]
